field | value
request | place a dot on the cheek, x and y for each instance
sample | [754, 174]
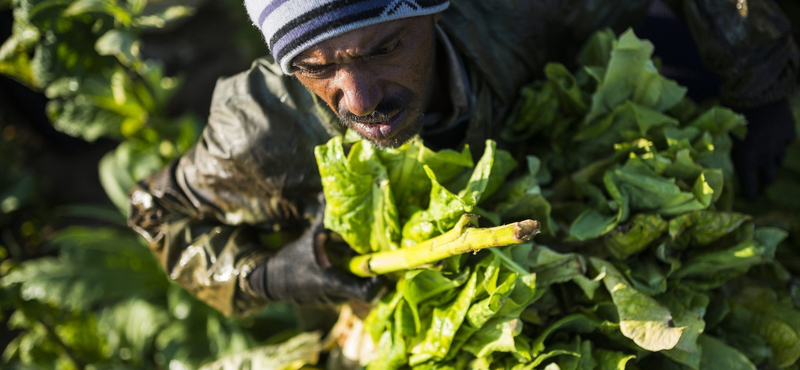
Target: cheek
[414, 74]
[320, 88]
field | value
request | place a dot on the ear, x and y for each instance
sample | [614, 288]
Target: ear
[436, 17]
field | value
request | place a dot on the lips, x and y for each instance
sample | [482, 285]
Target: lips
[380, 131]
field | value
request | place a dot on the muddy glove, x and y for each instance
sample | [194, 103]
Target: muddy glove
[302, 273]
[757, 158]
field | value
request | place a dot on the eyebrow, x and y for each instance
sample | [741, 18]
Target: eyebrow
[371, 50]
[368, 51]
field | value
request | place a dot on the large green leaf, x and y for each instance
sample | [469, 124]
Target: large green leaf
[164, 17]
[122, 44]
[410, 184]
[642, 319]
[95, 266]
[110, 7]
[445, 321]
[132, 338]
[740, 256]
[718, 355]
[630, 74]
[120, 169]
[778, 323]
[358, 196]
[636, 235]
[293, 354]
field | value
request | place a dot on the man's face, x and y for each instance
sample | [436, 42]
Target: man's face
[378, 79]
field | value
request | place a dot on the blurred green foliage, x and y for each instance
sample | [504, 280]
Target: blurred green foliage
[94, 297]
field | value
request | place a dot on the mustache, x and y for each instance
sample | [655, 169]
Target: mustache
[382, 112]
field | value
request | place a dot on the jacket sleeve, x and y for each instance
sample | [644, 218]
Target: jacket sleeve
[252, 171]
[748, 43]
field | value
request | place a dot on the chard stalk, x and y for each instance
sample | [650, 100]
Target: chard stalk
[463, 238]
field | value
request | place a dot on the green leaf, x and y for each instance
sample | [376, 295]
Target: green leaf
[536, 111]
[406, 173]
[391, 350]
[646, 274]
[92, 211]
[96, 265]
[484, 310]
[642, 318]
[94, 106]
[303, 349]
[110, 7]
[688, 309]
[719, 356]
[575, 323]
[379, 319]
[706, 227]
[635, 236]
[18, 67]
[740, 256]
[760, 310]
[444, 210]
[611, 360]
[630, 74]
[418, 286]
[121, 44]
[582, 360]
[628, 121]
[591, 224]
[38, 12]
[445, 321]
[597, 50]
[14, 53]
[164, 17]
[522, 198]
[18, 194]
[496, 335]
[360, 206]
[488, 175]
[551, 267]
[135, 336]
[121, 169]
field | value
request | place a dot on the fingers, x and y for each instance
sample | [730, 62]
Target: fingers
[349, 286]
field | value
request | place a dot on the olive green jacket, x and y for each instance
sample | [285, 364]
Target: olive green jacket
[253, 170]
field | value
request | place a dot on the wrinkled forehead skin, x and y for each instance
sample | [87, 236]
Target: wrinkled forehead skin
[292, 26]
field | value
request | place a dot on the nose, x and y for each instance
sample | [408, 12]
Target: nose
[360, 91]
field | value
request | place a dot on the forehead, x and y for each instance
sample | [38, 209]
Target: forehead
[357, 42]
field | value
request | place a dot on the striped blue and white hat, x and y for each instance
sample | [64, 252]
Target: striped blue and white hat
[292, 26]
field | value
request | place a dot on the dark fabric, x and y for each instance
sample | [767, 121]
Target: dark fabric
[757, 158]
[750, 48]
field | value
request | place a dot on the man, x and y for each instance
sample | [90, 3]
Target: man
[388, 69]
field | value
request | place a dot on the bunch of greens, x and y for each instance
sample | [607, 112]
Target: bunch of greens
[642, 262]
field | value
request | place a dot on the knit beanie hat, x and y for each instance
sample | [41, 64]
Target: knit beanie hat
[292, 26]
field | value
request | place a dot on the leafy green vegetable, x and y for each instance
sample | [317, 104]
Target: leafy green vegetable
[642, 261]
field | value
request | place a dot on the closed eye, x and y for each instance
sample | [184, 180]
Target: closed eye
[311, 69]
[388, 49]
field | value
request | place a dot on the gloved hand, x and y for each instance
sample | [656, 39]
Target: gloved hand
[757, 158]
[301, 273]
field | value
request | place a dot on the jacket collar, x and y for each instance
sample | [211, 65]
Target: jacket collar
[457, 88]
